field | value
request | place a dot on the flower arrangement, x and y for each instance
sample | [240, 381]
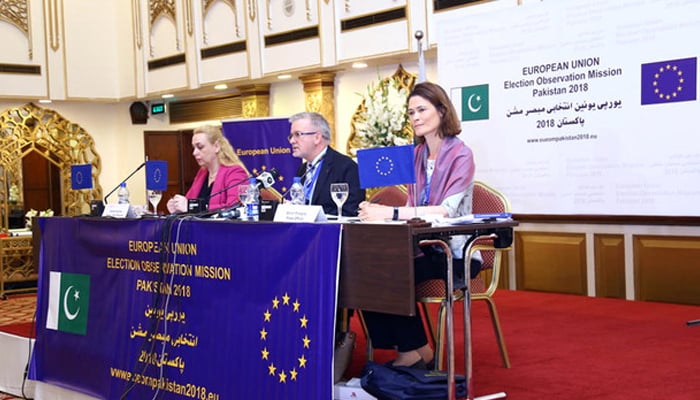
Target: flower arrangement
[383, 119]
[34, 213]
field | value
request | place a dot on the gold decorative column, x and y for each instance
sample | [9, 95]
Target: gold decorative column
[255, 100]
[319, 97]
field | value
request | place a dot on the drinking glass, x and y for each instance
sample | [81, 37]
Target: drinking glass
[154, 197]
[243, 194]
[339, 193]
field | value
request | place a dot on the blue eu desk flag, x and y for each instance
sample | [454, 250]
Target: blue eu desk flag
[669, 81]
[156, 175]
[386, 166]
[81, 176]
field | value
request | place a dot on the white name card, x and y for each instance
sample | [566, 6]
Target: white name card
[118, 211]
[299, 213]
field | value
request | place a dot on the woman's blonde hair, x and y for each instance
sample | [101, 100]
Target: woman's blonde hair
[227, 156]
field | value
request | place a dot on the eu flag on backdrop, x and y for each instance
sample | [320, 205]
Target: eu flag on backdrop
[156, 175]
[669, 81]
[386, 166]
[81, 176]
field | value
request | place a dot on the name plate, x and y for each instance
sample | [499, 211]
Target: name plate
[299, 213]
[118, 211]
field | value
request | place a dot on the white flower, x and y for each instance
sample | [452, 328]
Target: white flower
[383, 120]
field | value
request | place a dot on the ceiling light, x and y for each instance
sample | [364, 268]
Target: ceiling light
[284, 76]
[359, 65]
[167, 96]
[221, 86]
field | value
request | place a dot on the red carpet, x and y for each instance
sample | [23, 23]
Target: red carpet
[24, 329]
[576, 347]
[17, 314]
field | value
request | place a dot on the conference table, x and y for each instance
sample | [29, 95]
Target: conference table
[376, 268]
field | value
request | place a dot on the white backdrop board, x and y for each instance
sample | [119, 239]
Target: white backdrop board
[580, 107]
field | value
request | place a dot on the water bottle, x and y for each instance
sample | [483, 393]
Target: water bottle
[253, 203]
[123, 194]
[296, 192]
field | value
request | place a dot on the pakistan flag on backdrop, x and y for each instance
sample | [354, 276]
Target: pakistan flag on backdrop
[471, 102]
[69, 296]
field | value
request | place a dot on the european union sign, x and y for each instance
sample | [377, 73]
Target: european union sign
[669, 81]
[186, 319]
[386, 166]
[81, 176]
[156, 175]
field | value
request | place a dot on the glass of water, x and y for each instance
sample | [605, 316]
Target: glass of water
[243, 194]
[154, 197]
[339, 193]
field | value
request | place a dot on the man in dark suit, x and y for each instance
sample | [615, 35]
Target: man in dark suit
[310, 136]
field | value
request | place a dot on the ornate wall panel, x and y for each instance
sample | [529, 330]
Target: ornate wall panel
[16, 13]
[609, 265]
[667, 268]
[224, 48]
[319, 96]
[372, 28]
[255, 100]
[551, 262]
[30, 128]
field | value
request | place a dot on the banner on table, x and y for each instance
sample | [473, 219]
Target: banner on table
[191, 309]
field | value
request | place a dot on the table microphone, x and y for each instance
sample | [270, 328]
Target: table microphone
[267, 178]
[127, 178]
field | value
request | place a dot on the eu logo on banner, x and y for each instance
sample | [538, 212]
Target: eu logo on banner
[471, 102]
[669, 81]
[156, 175]
[386, 166]
[81, 176]
[69, 295]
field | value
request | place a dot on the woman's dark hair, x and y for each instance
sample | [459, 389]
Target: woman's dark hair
[436, 95]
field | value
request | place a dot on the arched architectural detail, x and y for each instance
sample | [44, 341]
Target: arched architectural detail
[63, 143]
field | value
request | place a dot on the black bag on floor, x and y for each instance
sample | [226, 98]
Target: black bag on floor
[405, 383]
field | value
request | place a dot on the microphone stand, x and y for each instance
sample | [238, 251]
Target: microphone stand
[127, 178]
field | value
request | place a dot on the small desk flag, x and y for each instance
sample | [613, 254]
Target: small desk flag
[81, 176]
[156, 175]
[386, 166]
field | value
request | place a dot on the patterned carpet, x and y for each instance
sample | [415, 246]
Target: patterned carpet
[17, 310]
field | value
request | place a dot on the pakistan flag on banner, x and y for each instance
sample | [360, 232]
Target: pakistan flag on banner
[69, 295]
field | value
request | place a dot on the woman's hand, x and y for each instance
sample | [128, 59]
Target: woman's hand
[374, 212]
[177, 203]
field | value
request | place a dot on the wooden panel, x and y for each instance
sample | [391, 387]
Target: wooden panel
[41, 183]
[376, 272]
[609, 265]
[551, 262]
[667, 268]
[175, 147]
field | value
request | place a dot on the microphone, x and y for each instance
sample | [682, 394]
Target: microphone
[267, 178]
[127, 178]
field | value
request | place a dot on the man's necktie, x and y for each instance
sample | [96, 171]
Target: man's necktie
[308, 181]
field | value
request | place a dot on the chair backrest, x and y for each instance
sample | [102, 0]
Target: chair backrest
[390, 196]
[488, 200]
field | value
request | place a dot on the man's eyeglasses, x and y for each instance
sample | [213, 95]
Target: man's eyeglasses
[298, 134]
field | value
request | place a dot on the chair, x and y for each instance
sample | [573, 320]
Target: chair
[390, 196]
[485, 200]
[17, 265]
